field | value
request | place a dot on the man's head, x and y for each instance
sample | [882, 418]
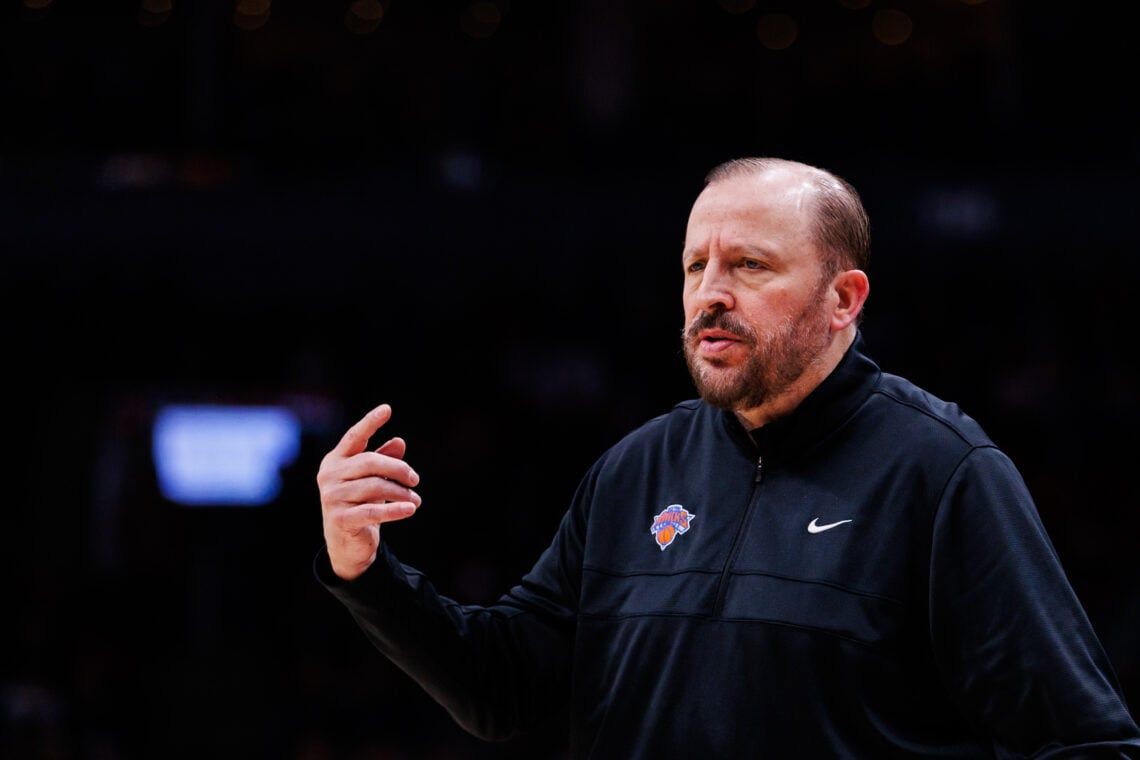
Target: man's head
[774, 287]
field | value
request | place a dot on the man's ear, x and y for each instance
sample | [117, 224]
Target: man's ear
[852, 288]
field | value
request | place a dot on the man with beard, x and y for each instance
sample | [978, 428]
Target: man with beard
[815, 559]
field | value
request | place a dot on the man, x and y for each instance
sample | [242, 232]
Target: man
[816, 559]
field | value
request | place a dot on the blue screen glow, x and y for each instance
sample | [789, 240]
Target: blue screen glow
[223, 455]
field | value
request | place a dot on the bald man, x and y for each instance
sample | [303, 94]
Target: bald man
[813, 559]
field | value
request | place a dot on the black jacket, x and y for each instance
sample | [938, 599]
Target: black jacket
[867, 577]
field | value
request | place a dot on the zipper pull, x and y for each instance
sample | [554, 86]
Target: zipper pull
[759, 470]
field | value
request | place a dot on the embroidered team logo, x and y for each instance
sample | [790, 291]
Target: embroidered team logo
[672, 522]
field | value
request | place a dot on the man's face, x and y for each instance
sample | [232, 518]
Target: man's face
[757, 310]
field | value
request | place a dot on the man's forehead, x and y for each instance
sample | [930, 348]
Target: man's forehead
[777, 201]
[787, 190]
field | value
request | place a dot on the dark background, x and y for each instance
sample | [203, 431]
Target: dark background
[475, 212]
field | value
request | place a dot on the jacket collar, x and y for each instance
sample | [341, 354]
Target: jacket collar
[824, 409]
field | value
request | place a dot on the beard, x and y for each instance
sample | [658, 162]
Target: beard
[776, 358]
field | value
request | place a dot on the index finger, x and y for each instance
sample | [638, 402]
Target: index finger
[355, 440]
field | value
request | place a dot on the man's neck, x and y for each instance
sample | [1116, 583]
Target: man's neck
[815, 373]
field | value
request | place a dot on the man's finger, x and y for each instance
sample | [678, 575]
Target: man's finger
[360, 516]
[395, 448]
[356, 439]
[370, 464]
[373, 491]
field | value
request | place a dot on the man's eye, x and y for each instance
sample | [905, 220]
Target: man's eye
[752, 264]
[696, 266]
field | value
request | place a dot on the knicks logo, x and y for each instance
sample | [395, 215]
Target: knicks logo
[672, 522]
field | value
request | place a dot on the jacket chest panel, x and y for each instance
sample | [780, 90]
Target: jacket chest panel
[662, 522]
[793, 549]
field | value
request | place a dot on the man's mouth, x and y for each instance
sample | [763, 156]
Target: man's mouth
[717, 341]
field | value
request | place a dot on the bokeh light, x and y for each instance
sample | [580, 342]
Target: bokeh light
[777, 31]
[155, 12]
[251, 14]
[736, 6]
[481, 19]
[363, 16]
[892, 27]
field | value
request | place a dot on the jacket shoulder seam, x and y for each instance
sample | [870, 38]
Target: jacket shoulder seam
[689, 405]
[941, 420]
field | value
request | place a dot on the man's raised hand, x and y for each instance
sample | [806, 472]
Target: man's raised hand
[360, 489]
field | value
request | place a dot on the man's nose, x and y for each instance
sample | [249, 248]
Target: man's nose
[715, 291]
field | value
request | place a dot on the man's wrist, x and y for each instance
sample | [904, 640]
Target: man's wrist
[333, 573]
[348, 575]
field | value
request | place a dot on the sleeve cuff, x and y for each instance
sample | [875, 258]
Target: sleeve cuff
[376, 573]
[322, 569]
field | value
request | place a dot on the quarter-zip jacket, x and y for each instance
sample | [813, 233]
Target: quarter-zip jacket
[866, 577]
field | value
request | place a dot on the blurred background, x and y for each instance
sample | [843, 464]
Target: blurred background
[231, 228]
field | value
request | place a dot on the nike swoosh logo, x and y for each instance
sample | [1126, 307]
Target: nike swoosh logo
[814, 528]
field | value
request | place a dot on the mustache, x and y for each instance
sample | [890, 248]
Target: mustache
[718, 320]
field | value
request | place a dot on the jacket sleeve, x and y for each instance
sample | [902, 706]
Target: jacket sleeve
[498, 670]
[1010, 638]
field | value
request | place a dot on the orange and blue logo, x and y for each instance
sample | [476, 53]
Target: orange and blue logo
[672, 522]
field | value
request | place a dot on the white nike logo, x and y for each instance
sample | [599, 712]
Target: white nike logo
[813, 528]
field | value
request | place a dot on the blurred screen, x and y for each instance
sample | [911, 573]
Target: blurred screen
[214, 455]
